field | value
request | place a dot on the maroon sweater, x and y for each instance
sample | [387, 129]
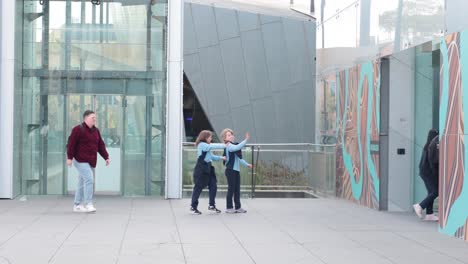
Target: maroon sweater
[84, 144]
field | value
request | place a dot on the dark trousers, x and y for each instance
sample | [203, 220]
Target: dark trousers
[202, 178]
[432, 186]
[212, 186]
[233, 179]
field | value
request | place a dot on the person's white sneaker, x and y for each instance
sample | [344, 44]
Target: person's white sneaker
[79, 208]
[230, 211]
[241, 211]
[418, 210]
[90, 208]
[432, 218]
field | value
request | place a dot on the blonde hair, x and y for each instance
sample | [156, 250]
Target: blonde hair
[224, 132]
[203, 136]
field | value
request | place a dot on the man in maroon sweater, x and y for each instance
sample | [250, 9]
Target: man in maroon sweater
[84, 143]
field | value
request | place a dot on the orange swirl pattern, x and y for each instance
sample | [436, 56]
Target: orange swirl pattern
[452, 146]
[358, 110]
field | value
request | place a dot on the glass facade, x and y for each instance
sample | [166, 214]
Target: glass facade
[367, 29]
[107, 56]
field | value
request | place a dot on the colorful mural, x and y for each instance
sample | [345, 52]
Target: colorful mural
[358, 126]
[453, 187]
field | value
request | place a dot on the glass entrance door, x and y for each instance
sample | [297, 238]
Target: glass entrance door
[132, 139]
[109, 119]
[132, 126]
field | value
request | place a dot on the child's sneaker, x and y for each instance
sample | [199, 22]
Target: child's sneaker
[240, 210]
[214, 209]
[230, 211]
[194, 211]
[78, 208]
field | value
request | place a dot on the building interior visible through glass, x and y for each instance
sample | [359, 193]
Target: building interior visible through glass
[107, 56]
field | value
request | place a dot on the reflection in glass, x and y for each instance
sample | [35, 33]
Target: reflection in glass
[377, 27]
[109, 58]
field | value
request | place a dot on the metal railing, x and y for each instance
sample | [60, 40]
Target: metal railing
[279, 170]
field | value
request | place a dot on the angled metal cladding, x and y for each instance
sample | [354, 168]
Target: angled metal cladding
[252, 72]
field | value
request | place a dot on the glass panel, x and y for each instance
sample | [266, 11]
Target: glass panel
[326, 110]
[304, 6]
[158, 136]
[298, 170]
[455, 15]
[109, 117]
[104, 53]
[426, 84]
[365, 29]
[117, 40]
[346, 37]
[31, 148]
[55, 144]
[43, 141]
[32, 35]
[134, 145]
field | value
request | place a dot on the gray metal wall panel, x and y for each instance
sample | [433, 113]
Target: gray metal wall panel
[242, 121]
[308, 93]
[276, 56]
[220, 122]
[400, 135]
[215, 83]
[247, 80]
[303, 96]
[255, 64]
[248, 21]
[310, 33]
[226, 21]
[266, 125]
[269, 19]
[286, 114]
[306, 99]
[190, 37]
[296, 49]
[205, 25]
[193, 71]
[234, 69]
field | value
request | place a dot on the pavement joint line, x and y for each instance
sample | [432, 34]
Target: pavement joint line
[238, 240]
[430, 248]
[288, 234]
[31, 223]
[68, 236]
[374, 251]
[125, 232]
[178, 232]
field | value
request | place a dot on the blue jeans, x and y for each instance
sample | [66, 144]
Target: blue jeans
[85, 189]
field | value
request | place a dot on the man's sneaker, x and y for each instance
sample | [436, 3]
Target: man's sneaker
[432, 218]
[230, 211]
[194, 211]
[214, 209]
[78, 208]
[418, 210]
[90, 208]
[240, 210]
